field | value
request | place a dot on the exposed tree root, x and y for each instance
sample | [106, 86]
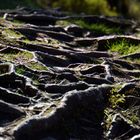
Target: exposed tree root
[63, 82]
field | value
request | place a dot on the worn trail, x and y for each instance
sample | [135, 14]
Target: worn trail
[62, 80]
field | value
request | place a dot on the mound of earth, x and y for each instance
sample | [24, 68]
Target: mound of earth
[68, 77]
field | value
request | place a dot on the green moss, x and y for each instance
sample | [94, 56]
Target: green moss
[11, 34]
[36, 66]
[20, 70]
[27, 41]
[20, 57]
[124, 48]
[41, 40]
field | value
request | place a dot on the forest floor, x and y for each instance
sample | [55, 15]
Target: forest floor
[68, 77]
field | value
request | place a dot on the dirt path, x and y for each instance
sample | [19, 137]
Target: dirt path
[68, 77]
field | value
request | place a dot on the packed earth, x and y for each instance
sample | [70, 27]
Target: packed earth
[68, 77]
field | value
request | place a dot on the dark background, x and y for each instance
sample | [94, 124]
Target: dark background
[126, 8]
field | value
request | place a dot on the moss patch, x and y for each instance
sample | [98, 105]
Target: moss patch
[36, 66]
[41, 40]
[20, 57]
[20, 70]
[10, 33]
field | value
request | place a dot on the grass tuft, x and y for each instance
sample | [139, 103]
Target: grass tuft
[124, 48]
[98, 28]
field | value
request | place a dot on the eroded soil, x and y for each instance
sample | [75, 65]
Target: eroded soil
[61, 80]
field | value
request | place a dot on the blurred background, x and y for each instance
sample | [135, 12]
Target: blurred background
[126, 8]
